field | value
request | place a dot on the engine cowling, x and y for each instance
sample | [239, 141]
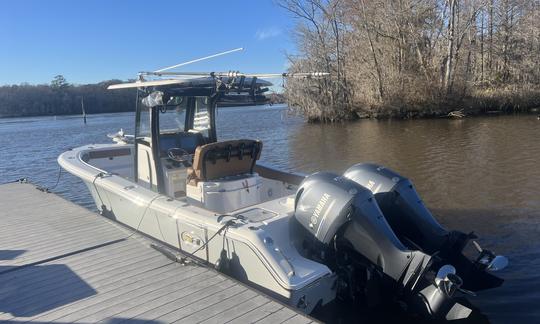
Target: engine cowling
[329, 207]
[404, 209]
[414, 224]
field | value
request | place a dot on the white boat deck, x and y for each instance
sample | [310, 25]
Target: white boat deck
[62, 263]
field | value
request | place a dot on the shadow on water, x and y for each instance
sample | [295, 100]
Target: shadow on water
[31, 290]
[389, 314]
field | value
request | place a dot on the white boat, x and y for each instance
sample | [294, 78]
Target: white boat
[309, 241]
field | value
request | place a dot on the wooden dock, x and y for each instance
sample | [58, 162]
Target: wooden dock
[62, 263]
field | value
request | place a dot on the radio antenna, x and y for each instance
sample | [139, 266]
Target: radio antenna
[199, 59]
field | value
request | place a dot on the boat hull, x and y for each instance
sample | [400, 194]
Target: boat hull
[242, 251]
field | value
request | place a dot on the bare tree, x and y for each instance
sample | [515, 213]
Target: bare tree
[415, 57]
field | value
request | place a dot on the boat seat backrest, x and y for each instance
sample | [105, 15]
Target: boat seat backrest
[222, 159]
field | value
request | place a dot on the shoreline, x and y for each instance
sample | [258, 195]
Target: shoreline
[410, 115]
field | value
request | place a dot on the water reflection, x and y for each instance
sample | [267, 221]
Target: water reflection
[472, 163]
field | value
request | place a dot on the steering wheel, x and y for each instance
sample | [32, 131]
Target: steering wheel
[177, 154]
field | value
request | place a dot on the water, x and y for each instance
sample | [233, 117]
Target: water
[478, 174]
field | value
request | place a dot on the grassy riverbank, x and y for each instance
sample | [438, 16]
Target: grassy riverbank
[480, 102]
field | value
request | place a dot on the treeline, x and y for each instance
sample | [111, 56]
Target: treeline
[413, 58]
[61, 98]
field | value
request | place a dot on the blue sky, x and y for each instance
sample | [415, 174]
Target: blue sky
[90, 41]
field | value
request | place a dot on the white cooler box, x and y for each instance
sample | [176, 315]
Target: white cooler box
[226, 194]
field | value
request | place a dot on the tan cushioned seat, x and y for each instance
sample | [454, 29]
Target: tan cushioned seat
[221, 159]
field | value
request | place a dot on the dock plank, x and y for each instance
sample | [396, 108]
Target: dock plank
[237, 310]
[61, 263]
[261, 312]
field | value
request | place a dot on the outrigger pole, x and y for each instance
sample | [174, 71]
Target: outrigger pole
[199, 59]
[141, 82]
[230, 74]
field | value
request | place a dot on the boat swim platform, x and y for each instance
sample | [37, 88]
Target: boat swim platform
[62, 263]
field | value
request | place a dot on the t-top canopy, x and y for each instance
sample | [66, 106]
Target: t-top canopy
[237, 83]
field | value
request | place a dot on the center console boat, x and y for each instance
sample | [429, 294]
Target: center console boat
[362, 237]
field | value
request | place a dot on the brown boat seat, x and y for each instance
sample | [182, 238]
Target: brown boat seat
[222, 159]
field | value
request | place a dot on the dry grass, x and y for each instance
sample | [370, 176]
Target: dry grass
[505, 99]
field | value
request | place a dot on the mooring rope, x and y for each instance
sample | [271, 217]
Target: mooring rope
[48, 189]
[38, 187]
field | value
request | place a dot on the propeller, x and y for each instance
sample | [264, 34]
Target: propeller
[498, 263]
[448, 281]
[491, 261]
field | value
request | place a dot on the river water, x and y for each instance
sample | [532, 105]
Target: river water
[480, 174]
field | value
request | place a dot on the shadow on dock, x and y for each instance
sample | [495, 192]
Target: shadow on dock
[31, 290]
[116, 320]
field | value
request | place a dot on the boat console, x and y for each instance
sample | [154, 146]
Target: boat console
[176, 154]
[175, 176]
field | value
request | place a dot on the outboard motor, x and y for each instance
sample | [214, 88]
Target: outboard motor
[348, 232]
[404, 209]
[416, 227]
[327, 204]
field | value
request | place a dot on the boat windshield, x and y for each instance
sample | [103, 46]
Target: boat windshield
[180, 115]
[172, 117]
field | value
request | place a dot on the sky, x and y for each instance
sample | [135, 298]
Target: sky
[95, 40]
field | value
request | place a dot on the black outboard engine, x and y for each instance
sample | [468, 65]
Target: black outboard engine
[348, 232]
[404, 209]
[327, 204]
[414, 224]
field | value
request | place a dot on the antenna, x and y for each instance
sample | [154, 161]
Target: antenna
[200, 59]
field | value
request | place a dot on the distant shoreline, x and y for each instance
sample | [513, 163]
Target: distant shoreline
[59, 98]
[74, 115]
[63, 99]
[470, 114]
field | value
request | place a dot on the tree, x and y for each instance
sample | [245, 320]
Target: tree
[414, 57]
[35, 100]
[59, 82]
